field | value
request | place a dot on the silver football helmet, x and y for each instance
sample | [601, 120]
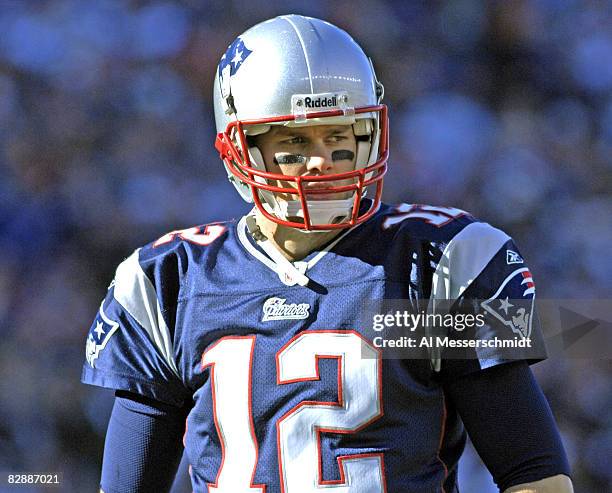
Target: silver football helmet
[296, 71]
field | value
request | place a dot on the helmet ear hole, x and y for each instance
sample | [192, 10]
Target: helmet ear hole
[251, 141]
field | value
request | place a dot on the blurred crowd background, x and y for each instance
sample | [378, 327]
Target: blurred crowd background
[503, 108]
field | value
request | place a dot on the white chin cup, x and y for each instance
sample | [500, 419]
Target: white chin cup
[319, 211]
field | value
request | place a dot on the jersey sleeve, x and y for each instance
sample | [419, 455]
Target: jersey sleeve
[483, 274]
[131, 343]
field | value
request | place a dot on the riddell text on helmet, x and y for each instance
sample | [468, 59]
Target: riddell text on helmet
[321, 102]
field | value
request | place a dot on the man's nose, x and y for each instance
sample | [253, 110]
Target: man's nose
[320, 159]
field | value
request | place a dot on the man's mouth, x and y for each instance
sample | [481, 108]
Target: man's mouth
[329, 195]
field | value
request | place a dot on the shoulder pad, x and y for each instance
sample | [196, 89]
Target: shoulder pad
[464, 257]
[202, 235]
[436, 223]
[184, 240]
[137, 294]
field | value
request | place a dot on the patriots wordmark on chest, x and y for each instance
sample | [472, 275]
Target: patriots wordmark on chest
[278, 309]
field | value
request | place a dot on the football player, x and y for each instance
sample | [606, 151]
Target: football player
[245, 343]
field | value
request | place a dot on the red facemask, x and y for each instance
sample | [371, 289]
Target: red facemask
[233, 148]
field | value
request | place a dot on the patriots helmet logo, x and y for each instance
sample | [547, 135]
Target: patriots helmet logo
[513, 302]
[101, 331]
[231, 61]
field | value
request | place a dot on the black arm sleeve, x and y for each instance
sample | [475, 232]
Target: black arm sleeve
[510, 423]
[143, 445]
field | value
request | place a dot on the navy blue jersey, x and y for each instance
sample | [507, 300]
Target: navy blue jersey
[290, 393]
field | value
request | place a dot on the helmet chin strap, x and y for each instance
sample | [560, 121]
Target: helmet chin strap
[288, 273]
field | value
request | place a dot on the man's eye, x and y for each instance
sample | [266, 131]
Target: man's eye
[294, 141]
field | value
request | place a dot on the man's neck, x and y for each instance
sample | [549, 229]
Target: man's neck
[292, 243]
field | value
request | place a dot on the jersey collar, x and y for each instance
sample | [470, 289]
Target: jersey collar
[290, 273]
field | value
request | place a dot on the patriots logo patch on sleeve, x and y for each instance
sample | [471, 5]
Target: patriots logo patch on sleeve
[513, 302]
[101, 331]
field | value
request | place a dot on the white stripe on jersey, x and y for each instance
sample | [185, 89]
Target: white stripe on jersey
[464, 258]
[136, 293]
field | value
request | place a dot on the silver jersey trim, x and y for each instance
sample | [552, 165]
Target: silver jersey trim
[136, 293]
[465, 256]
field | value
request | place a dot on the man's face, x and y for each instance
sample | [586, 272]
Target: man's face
[310, 151]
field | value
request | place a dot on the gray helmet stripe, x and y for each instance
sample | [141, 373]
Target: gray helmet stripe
[304, 51]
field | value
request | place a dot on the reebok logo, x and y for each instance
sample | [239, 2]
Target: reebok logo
[513, 258]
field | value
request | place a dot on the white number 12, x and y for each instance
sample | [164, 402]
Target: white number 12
[359, 403]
